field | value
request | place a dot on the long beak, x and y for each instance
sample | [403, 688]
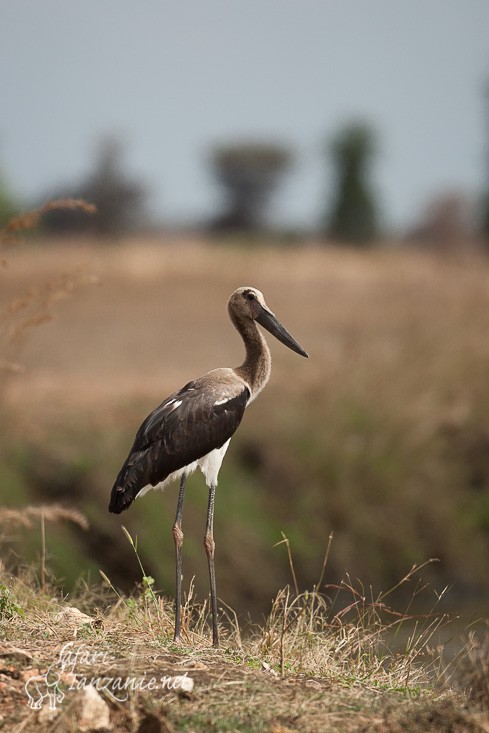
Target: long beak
[269, 321]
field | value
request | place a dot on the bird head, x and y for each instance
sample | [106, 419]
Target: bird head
[247, 302]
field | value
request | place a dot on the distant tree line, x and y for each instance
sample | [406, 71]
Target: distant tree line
[8, 207]
[249, 175]
[485, 201]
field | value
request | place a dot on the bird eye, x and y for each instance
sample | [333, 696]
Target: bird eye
[250, 296]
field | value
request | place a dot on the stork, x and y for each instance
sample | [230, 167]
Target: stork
[193, 427]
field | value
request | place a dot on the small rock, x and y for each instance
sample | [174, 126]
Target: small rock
[266, 668]
[314, 684]
[183, 684]
[196, 664]
[46, 715]
[92, 713]
[73, 616]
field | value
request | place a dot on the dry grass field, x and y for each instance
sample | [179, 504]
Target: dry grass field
[381, 437]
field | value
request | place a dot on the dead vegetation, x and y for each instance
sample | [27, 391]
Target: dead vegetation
[305, 669]
[47, 512]
[31, 219]
[329, 660]
[34, 306]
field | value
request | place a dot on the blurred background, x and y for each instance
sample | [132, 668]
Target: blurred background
[334, 155]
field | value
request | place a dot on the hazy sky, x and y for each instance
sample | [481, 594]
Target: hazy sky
[173, 78]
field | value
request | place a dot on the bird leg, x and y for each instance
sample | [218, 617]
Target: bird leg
[209, 549]
[178, 540]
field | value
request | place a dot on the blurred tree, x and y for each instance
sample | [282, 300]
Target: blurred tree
[353, 216]
[485, 218]
[485, 197]
[249, 174]
[119, 200]
[8, 207]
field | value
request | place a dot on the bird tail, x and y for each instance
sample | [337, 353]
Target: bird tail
[120, 499]
[127, 486]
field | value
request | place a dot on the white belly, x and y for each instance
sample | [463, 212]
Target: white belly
[210, 464]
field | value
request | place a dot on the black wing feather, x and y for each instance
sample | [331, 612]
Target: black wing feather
[172, 437]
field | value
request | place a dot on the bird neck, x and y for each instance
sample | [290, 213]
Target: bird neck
[257, 365]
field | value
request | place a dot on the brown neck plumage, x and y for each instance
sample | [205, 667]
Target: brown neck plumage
[257, 365]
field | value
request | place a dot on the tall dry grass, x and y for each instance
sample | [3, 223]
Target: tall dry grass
[306, 667]
[34, 306]
[26, 311]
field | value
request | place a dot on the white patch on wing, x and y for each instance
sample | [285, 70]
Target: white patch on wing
[177, 404]
[222, 401]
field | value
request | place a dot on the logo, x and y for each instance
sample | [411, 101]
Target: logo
[46, 688]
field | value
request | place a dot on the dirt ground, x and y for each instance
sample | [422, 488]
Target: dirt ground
[126, 665]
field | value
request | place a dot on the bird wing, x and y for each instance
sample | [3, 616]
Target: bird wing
[186, 426]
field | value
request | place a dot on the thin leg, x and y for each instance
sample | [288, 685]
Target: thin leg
[178, 540]
[209, 549]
